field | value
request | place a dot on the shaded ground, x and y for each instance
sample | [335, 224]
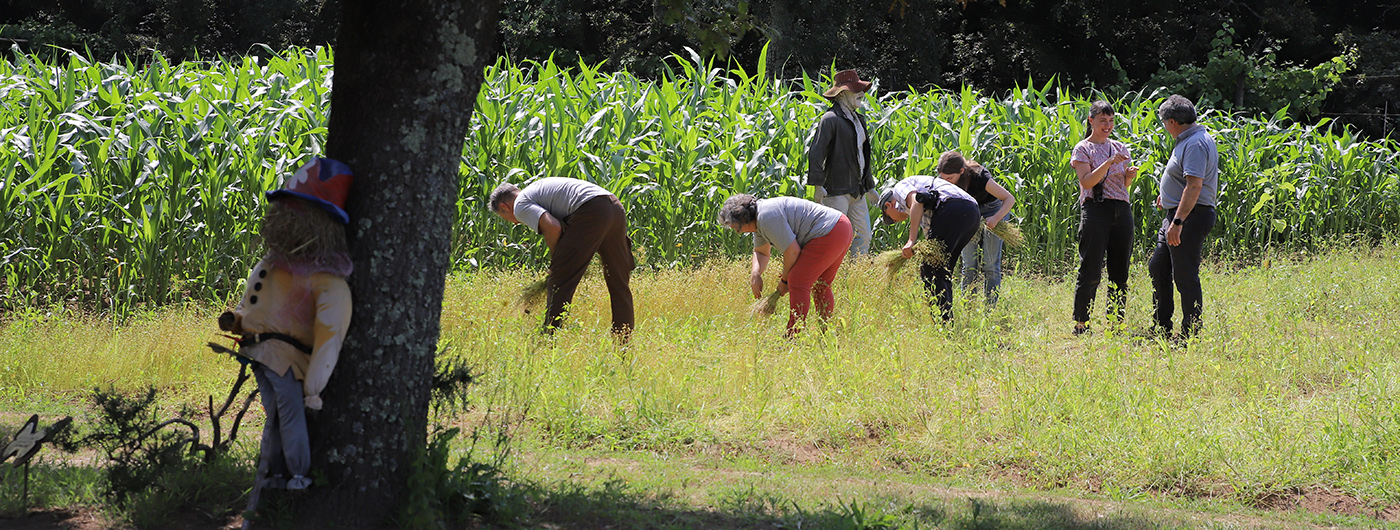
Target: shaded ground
[649, 491]
[87, 519]
[584, 490]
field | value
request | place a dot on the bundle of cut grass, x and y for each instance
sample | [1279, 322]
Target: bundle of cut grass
[531, 295]
[765, 306]
[891, 261]
[1009, 233]
[929, 251]
[932, 252]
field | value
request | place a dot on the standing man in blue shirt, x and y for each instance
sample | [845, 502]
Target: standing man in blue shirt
[1188, 191]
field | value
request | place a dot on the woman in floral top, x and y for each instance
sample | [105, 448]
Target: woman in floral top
[1105, 217]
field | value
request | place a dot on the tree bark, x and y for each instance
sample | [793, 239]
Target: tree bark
[407, 74]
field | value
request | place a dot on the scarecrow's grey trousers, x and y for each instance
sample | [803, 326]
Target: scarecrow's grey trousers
[286, 450]
[857, 209]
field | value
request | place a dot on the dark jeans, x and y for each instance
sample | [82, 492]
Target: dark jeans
[599, 227]
[954, 223]
[1181, 265]
[1105, 228]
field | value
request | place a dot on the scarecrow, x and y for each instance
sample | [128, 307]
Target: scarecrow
[294, 313]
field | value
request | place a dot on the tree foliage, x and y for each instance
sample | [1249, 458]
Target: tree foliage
[1234, 79]
[1294, 50]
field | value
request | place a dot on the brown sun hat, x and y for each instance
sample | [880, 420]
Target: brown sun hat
[848, 80]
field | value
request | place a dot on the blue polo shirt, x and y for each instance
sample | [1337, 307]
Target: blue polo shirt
[1194, 155]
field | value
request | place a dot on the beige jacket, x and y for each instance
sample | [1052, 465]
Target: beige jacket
[314, 309]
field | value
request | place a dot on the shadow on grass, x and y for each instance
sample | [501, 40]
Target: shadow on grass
[199, 497]
[612, 504]
[50, 484]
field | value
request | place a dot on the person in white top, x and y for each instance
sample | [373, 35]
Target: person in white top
[946, 213]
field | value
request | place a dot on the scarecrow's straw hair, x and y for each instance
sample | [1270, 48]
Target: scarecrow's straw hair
[765, 306]
[1009, 233]
[301, 232]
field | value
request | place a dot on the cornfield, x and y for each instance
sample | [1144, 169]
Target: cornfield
[125, 185]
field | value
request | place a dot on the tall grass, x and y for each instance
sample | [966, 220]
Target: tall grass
[1292, 385]
[125, 184]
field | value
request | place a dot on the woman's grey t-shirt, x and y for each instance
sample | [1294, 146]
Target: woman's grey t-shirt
[1194, 155]
[559, 196]
[783, 220]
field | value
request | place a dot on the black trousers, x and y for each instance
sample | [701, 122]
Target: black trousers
[1105, 230]
[1180, 265]
[953, 223]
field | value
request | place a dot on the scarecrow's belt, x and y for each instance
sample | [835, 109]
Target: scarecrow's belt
[256, 338]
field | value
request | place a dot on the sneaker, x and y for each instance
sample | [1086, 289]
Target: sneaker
[1080, 329]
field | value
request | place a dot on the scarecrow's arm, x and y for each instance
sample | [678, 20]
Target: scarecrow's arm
[332, 320]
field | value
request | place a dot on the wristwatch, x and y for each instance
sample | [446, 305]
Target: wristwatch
[1178, 221]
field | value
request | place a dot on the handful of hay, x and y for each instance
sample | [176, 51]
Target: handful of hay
[928, 251]
[1009, 233]
[765, 306]
[531, 295]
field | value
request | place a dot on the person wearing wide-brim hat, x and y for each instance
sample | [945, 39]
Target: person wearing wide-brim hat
[838, 159]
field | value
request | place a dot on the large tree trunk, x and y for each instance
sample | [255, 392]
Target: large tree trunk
[407, 74]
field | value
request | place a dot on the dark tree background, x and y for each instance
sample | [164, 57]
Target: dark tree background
[988, 44]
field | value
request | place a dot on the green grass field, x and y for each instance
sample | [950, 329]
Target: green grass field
[1291, 391]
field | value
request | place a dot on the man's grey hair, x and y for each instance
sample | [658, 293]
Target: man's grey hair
[740, 210]
[505, 192]
[1177, 108]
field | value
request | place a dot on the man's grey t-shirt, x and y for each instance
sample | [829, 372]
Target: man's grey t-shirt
[783, 220]
[1194, 155]
[559, 196]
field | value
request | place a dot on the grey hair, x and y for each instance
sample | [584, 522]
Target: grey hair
[505, 192]
[741, 209]
[1177, 108]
